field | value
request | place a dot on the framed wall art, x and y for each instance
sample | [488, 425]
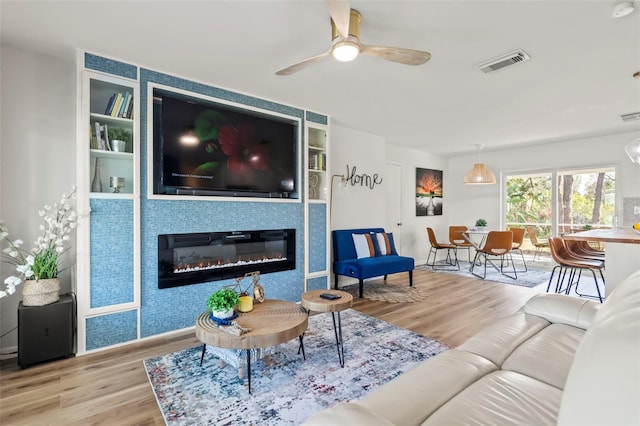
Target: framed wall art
[428, 192]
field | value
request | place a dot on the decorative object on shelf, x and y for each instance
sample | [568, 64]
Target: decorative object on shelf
[96, 183]
[116, 183]
[258, 290]
[481, 224]
[119, 138]
[429, 193]
[479, 175]
[313, 186]
[633, 150]
[245, 303]
[222, 302]
[44, 261]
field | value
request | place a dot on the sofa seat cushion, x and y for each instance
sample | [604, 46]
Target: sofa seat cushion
[557, 343]
[373, 266]
[501, 397]
[411, 397]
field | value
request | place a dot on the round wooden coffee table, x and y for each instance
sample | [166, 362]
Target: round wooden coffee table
[271, 322]
[313, 301]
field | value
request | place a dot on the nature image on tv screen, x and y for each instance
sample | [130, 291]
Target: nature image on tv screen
[213, 146]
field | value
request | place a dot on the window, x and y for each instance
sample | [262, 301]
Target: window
[580, 199]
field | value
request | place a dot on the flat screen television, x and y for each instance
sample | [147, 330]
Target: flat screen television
[202, 147]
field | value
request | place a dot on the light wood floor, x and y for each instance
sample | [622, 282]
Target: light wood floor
[111, 387]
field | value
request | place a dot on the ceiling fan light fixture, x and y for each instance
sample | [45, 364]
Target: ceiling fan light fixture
[622, 9]
[345, 50]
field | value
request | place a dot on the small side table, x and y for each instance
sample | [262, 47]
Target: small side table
[312, 301]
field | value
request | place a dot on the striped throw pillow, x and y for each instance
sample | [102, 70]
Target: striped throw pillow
[385, 243]
[364, 245]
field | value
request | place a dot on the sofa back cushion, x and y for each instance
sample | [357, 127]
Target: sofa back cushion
[385, 244]
[603, 386]
[364, 245]
[342, 239]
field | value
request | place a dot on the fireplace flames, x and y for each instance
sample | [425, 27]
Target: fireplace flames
[209, 264]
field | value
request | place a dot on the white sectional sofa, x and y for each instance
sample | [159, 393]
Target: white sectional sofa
[558, 360]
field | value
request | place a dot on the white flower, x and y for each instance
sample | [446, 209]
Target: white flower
[18, 243]
[12, 280]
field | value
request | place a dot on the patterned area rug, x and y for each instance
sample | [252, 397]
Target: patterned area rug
[291, 389]
[390, 293]
[531, 278]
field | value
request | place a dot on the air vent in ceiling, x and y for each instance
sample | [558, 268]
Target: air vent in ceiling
[504, 61]
[630, 117]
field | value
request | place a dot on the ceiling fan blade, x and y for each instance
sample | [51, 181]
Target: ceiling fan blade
[397, 54]
[302, 64]
[340, 12]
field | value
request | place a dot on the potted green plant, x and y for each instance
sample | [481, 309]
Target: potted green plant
[222, 302]
[481, 224]
[119, 138]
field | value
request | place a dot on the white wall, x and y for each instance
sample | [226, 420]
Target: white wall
[472, 201]
[358, 206]
[415, 242]
[361, 207]
[37, 154]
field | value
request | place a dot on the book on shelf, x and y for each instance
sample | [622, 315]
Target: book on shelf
[116, 105]
[125, 105]
[120, 105]
[129, 113]
[109, 108]
[102, 137]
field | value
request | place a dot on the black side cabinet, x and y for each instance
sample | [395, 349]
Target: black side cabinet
[46, 332]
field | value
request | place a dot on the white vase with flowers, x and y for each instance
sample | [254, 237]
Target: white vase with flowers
[39, 267]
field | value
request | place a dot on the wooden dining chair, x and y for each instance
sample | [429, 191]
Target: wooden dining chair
[568, 263]
[539, 245]
[497, 245]
[518, 239]
[450, 262]
[457, 239]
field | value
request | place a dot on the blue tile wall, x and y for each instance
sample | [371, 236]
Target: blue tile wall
[110, 66]
[316, 118]
[164, 310]
[111, 329]
[206, 215]
[317, 237]
[319, 283]
[111, 246]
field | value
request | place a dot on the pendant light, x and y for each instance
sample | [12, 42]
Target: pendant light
[479, 175]
[633, 150]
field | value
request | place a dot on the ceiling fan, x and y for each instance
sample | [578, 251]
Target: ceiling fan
[345, 45]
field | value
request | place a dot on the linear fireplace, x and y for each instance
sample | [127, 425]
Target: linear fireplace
[185, 259]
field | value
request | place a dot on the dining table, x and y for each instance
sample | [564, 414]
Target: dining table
[622, 252]
[476, 237]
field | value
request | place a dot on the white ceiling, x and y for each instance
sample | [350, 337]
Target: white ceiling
[577, 83]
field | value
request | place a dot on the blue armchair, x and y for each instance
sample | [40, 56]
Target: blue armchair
[347, 263]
